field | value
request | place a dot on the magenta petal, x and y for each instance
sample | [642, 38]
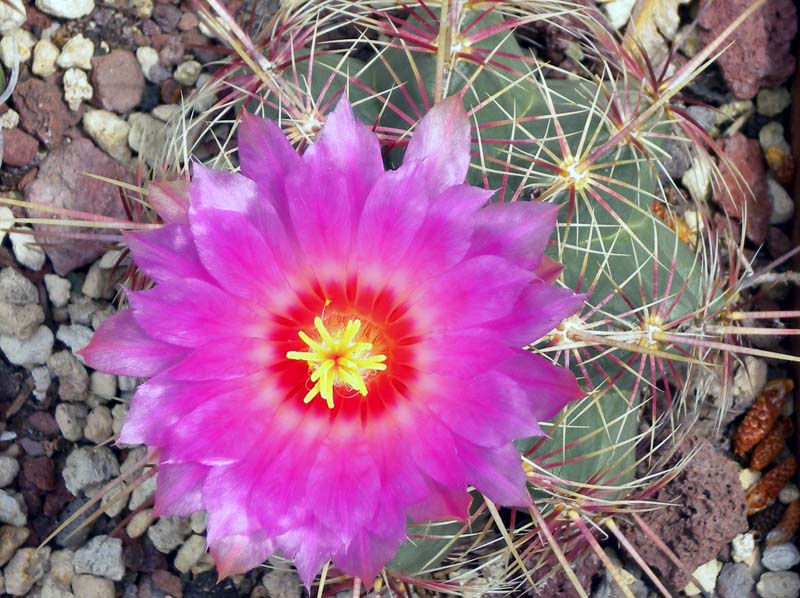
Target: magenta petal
[349, 147]
[496, 473]
[540, 309]
[178, 488]
[492, 411]
[442, 140]
[237, 255]
[218, 190]
[170, 200]
[366, 554]
[397, 204]
[226, 358]
[265, 155]
[480, 289]
[518, 231]
[339, 472]
[191, 314]
[549, 387]
[166, 253]
[119, 346]
[240, 553]
[441, 503]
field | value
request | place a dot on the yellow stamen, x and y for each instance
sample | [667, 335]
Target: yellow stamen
[337, 359]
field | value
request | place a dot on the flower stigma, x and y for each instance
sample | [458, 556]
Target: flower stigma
[337, 358]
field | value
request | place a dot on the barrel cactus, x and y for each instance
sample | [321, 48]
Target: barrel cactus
[663, 291]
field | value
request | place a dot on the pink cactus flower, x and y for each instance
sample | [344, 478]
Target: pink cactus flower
[332, 348]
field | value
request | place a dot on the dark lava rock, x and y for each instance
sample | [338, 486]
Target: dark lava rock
[38, 473]
[761, 54]
[168, 583]
[118, 81]
[42, 111]
[19, 148]
[42, 422]
[62, 184]
[742, 190]
[708, 511]
[167, 17]
[10, 381]
[558, 585]
[205, 585]
[76, 533]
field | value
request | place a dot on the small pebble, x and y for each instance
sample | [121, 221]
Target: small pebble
[87, 467]
[25, 569]
[41, 382]
[168, 533]
[139, 523]
[773, 101]
[9, 468]
[734, 581]
[92, 587]
[77, 52]
[76, 88]
[71, 420]
[58, 289]
[25, 44]
[26, 250]
[742, 547]
[12, 16]
[75, 336]
[8, 120]
[99, 425]
[779, 584]
[110, 132]
[187, 72]
[12, 510]
[11, 538]
[748, 477]
[781, 557]
[61, 567]
[45, 54]
[190, 553]
[789, 493]
[782, 203]
[101, 556]
[103, 385]
[66, 9]
[29, 352]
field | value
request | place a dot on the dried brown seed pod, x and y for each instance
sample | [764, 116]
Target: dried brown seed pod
[771, 446]
[767, 489]
[762, 415]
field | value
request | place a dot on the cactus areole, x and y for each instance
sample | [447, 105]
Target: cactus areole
[332, 348]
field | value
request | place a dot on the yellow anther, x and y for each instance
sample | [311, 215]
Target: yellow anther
[337, 358]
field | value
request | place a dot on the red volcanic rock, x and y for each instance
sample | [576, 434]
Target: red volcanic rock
[761, 55]
[42, 111]
[743, 188]
[117, 81]
[19, 148]
[62, 183]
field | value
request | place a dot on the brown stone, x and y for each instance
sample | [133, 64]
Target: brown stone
[742, 191]
[168, 583]
[761, 50]
[62, 183]
[118, 81]
[19, 148]
[706, 511]
[39, 473]
[42, 112]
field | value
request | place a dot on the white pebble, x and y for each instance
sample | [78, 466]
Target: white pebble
[77, 52]
[66, 9]
[706, 576]
[76, 88]
[45, 54]
[26, 250]
[782, 203]
[58, 289]
[25, 43]
[779, 584]
[742, 547]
